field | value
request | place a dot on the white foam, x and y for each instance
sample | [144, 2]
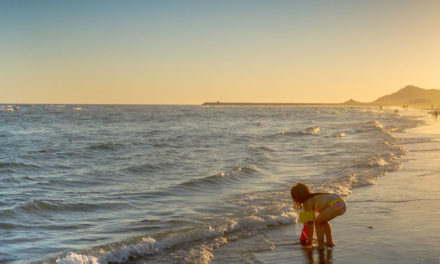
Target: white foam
[283, 219]
[378, 124]
[340, 134]
[378, 162]
[7, 108]
[147, 246]
[340, 188]
[74, 258]
[344, 186]
[201, 255]
[210, 237]
[371, 181]
[372, 124]
[311, 131]
[308, 131]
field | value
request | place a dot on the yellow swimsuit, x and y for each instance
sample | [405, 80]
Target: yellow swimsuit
[339, 204]
[306, 216]
[309, 216]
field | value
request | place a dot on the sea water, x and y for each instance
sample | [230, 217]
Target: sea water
[164, 184]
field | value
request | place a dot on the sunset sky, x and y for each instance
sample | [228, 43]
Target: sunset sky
[189, 52]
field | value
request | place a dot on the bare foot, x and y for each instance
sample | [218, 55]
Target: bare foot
[330, 244]
[308, 244]
[320, 247]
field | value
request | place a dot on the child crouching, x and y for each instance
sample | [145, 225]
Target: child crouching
[328, 205]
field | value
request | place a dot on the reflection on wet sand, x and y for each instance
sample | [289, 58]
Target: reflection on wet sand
[322, 255]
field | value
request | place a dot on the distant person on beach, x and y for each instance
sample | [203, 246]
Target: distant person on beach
[328, 205]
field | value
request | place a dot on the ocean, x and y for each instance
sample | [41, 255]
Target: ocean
[174, 184]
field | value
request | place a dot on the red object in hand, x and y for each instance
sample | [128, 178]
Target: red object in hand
[304, 235]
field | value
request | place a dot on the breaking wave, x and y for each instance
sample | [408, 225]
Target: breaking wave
[106, 146]
[195, 244]
[311, 131]
[230, 177]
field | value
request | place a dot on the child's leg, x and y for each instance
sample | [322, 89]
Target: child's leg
[328, 234]
[320, 234]
[320, 223]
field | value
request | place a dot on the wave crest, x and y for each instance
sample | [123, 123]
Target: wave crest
[310, 131]
[105, 146]
[220, 178]
[197, 242]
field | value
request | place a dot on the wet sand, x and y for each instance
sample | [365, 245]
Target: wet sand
[395, 221]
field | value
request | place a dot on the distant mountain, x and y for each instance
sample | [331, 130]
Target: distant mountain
[353, 102]
[411, 95]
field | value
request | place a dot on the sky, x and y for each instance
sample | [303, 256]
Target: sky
[190, 52]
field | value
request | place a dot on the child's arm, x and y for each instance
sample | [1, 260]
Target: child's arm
[310, 225]
[311, 229]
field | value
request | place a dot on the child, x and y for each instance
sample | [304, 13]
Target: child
[327, 204]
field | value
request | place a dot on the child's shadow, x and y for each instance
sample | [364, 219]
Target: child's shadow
[324, 255]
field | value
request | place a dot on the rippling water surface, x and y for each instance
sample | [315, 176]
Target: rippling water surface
[114, 183]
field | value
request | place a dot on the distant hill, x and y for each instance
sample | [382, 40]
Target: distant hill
[412, 96]
[353, 102]
[409, 95]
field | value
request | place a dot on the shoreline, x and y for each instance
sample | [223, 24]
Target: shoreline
[384, 223]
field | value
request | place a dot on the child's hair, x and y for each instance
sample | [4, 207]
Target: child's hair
[300, 193]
